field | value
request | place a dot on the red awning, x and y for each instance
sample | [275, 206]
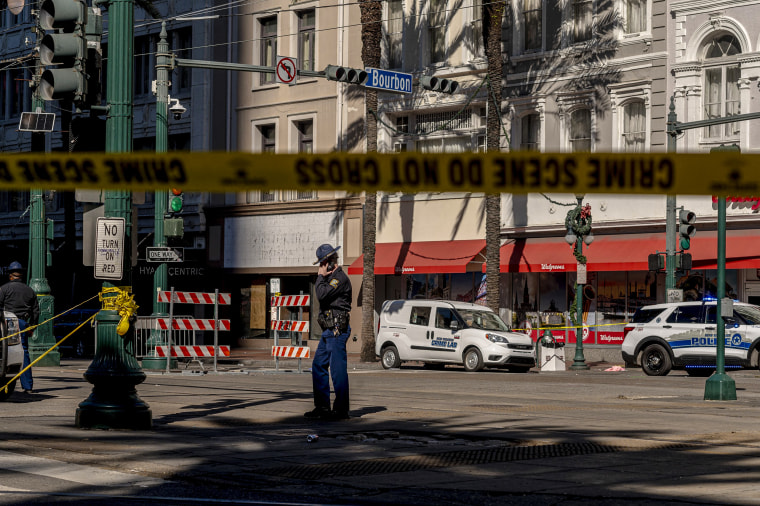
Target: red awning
[626, 252]
[424, 257]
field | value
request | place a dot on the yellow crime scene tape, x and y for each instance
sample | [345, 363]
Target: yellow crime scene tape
[724, 173]
[112, 298]
[4, 388]
[570, 327]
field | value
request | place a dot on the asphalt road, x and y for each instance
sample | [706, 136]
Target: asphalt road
[417, 436]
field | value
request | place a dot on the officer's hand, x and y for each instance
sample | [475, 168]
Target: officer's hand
[323, 269]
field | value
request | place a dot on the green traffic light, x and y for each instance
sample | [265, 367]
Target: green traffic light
[176, 204]
[685, 243]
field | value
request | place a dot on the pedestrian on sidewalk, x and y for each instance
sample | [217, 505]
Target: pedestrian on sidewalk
[334, 294]
[19, 298]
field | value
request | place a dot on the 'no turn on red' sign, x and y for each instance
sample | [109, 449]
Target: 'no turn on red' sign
[109, 248]
[286, 71]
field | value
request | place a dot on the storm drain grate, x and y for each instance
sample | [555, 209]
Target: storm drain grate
[444, 459]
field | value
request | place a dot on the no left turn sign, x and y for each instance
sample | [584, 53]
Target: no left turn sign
[285, 71]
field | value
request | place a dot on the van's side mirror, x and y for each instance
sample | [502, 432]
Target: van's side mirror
[454, 325]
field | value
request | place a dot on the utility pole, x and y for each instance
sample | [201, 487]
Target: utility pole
[670, 206]
[720, 386]
[42, 339]
[115, 372]
[160, 276]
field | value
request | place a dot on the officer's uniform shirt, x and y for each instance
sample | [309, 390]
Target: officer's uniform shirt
[334, 291]
[20, 299]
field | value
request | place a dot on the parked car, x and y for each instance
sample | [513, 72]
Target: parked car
[82, 342]
[448, 332]
[682, 335]
[11, 353]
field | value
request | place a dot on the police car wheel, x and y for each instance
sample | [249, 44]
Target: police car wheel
[473, 360]
[390, 358]
[11, 388]
[655, 360]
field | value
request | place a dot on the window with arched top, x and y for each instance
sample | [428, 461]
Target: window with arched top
[721, 84]
[634, 127]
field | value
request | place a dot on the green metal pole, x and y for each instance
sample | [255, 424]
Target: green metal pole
[42, 339]
[160, 276]
[115, 372]
[670, 206]
[720, 386]
[579, 360]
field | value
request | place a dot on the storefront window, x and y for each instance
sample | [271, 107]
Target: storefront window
[525, 300]
[711, 284]
[642, 291]
[552, 301]
[611, 296]
[699, 285]
[416, 286]
[462, 288]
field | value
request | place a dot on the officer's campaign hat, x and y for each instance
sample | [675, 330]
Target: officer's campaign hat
[324, 252]
[15, 267]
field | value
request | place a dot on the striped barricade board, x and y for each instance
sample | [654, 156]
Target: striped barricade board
[194, 297]
[192, 351]
[289, 300]
[291, 325]
[291, 351]
[192, 324]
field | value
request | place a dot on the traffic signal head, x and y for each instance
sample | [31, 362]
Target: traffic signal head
[346, 74]
[686, 228]
[176, 201]
[75, 35]
[62, 14]
[433, 83]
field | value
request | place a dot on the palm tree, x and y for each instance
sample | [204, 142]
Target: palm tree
[493, 13]
[371, 19]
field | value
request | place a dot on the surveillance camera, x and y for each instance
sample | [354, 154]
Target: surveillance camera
[177, 110]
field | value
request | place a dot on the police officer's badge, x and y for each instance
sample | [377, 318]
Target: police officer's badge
[334, 283]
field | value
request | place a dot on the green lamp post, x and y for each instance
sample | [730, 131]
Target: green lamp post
[115, 372]
[578, 225]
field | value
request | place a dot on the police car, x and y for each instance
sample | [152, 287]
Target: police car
[446, 332]
[683, 335]
[11, 353]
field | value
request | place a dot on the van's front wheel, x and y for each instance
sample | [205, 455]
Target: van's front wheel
[473, 360]
[390, 358]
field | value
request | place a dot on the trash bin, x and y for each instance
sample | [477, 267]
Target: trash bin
[552, 355]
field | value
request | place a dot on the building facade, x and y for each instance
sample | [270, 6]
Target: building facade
[582, 75]
[197, 30]
[266, 239]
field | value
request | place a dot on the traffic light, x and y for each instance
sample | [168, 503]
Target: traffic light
[433, 83]
[176, 201]
[686, 228]
[74, 48]
[346, 75]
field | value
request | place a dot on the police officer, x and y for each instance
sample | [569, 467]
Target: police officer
[20, 299]
[333, 291]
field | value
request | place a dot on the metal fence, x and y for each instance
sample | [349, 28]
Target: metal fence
[148, 335]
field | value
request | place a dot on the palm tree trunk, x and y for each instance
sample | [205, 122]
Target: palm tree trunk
[493, 13]
[371, 18]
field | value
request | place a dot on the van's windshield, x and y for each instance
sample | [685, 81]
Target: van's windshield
[485, 320]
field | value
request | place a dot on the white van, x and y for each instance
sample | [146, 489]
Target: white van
[11, 353]
[448, 332]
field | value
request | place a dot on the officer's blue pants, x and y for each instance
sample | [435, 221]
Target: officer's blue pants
[331, 354]
[26, 378]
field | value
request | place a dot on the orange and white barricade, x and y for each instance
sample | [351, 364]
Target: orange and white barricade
[298, 351]
[214, 324]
